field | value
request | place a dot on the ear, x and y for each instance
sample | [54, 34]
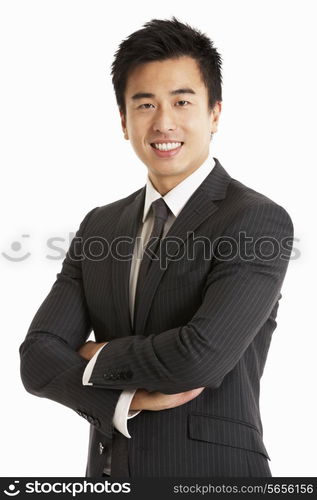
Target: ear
[124, 125]
[215, 115]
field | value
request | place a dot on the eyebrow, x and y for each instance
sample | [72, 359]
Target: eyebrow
[149, 95]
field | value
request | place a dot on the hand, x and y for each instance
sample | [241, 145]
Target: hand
[156, 401]
[89, 349]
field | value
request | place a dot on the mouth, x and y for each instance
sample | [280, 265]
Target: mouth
[166, 149]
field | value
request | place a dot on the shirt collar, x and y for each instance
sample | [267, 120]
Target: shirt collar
[177, 197]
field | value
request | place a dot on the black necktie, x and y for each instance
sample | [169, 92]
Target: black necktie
[160, 211]
[119, 460]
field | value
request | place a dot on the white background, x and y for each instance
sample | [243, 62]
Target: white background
[63, 153]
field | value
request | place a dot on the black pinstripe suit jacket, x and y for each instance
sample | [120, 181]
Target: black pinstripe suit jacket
[206, 319]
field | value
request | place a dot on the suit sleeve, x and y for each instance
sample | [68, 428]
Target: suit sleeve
[239, 295]
[122, 413]
[50, 366]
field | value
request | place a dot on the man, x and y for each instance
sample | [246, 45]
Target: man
[180, 283]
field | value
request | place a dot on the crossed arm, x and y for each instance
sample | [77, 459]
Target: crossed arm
[238, 299]
[144, 400]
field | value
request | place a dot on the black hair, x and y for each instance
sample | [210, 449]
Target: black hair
[161, 39]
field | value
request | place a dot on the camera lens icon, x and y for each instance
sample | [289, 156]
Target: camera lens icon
[12, 490]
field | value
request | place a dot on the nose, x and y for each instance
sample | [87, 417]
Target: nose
[164, 121]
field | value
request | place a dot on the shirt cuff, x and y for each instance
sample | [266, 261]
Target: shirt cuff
[89, 368]
[122, 413]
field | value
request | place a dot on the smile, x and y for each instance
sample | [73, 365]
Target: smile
[166, 146]
[166, 149]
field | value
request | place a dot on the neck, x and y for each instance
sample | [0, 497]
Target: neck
[165, 183]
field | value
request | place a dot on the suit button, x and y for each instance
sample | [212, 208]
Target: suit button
[101, 448]
[128, 375]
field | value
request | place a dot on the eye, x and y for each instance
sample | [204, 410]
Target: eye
[145, 106]
[183, 103]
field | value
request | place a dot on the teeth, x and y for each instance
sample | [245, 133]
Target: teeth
[167, 146]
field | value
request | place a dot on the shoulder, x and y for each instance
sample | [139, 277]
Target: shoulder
[247, 202]
[251, 211]
[108, 214]
[118, 205]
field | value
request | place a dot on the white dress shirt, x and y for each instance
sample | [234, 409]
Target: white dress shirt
[175, 199]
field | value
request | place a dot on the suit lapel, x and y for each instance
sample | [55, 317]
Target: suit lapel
[126, 232]
[199, 207]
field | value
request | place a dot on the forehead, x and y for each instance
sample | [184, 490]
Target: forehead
[165, 76]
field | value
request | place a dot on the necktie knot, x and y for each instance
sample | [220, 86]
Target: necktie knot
[160, 209]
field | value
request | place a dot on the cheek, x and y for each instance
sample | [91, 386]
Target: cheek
[202, 128]
[138, 143]
[194, 123]
[137, 132]
[135, 137]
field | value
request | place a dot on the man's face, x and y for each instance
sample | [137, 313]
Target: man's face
[167, 108]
